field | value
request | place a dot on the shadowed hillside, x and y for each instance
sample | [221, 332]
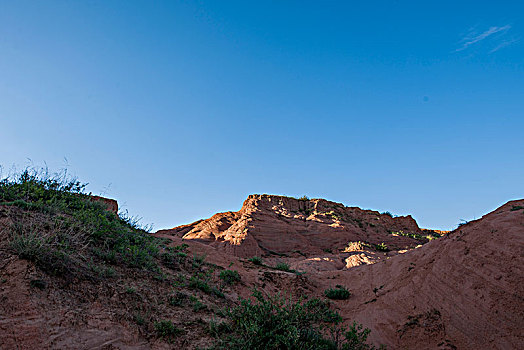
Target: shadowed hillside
[77, 275]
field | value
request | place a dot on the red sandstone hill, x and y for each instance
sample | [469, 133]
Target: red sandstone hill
[464, 291]
[268, 225]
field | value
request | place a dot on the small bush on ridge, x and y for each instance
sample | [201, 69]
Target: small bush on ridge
[337, 293]
[256, 260]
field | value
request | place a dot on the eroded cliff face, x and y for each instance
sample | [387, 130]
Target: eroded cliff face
[276, 225]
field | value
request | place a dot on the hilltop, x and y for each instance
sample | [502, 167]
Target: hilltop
[309, 234]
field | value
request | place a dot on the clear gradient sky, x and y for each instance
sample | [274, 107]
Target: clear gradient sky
[180, 109]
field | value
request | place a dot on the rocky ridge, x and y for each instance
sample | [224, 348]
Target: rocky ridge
[310, 234]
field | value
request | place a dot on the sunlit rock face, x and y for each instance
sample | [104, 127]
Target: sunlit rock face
[269, 225]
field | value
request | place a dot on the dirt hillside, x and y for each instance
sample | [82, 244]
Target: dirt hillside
[463, 291]
[75, 275]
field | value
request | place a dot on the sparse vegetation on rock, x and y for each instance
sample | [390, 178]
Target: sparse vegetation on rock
[63, 225]
[229, 276]
[337, 293]
[382, 247]
[256, 260]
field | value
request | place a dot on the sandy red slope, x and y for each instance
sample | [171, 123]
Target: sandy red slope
[465, 290]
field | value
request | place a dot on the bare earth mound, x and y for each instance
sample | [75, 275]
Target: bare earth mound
[463, 291]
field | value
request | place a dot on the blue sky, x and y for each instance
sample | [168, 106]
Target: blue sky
[180, 109]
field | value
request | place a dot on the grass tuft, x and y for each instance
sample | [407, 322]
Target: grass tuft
[167, 330]
[382, 247]
[282, 266]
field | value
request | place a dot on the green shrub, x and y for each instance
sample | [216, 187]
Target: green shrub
[167, 330]
[279, 323]
[139, 319]
[101, 270]
[256, 260]
[516, 207]
[382, 247]
[173, 259]
[196, 282]
[282, 266]
[337, 293]
[355, 338]
[40, 284]
[229, 276]
[108, 256]
[198, 260]
[216, 329]
[181, 248]
[197, 304]
[177, 299]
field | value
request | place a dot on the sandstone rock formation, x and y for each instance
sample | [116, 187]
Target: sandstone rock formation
[462, 291]
[275, 225]
[112, 205]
